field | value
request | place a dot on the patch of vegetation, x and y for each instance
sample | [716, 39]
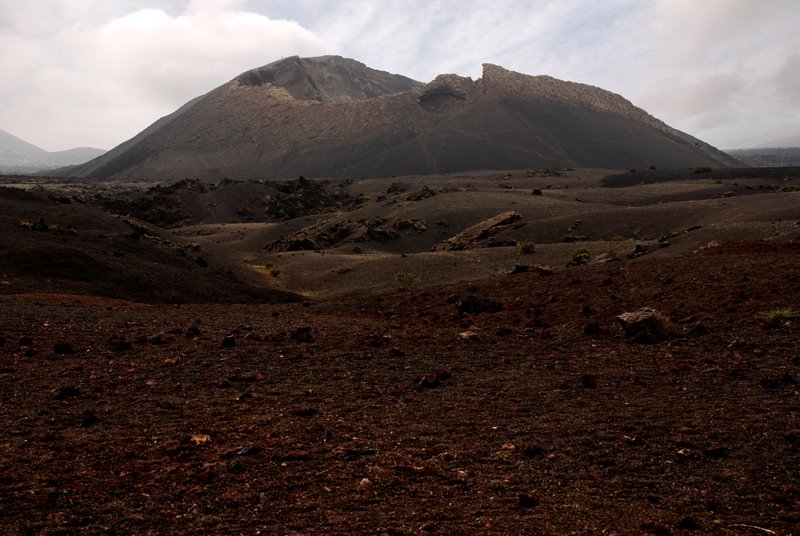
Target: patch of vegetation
[610, 250]
[776, 315]
[580, 256]
[306, 293]
[701, 169]
[272, 269]
[581, 251]
[405, 280]
[525, 248]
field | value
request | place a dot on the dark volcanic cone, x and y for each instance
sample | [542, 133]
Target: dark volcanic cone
[335, 117]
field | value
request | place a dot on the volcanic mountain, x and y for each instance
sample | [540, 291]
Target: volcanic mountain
[335, 117]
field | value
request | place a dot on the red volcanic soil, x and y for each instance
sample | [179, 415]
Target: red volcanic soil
[506, 406]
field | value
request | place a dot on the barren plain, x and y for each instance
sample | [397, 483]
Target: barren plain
[422, 354]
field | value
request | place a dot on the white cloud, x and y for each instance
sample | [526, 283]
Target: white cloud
[423, 38]
[100, 84]
[98, 72]
[708, 67]
[787, 81]
[719, 62]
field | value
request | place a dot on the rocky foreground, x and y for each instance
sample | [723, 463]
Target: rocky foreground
[512, 405]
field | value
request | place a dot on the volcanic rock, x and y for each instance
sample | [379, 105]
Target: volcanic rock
[645, 325]
[479, 234]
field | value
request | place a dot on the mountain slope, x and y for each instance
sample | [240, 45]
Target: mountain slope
[11, 145]
[335, 117]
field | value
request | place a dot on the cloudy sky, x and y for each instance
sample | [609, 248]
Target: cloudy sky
[96, 72]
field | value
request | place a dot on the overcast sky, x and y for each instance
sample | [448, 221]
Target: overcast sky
[96, 72]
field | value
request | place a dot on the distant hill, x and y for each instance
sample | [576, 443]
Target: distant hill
[19, 156]
[336, 117]
[786, 141]
[12, 146]
[768, 157]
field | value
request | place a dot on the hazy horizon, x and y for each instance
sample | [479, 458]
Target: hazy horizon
[94, 74]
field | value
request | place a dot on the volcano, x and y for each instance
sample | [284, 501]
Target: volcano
[336, 117]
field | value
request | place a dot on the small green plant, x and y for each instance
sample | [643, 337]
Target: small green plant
[581, 251]
[525, 248]
[776, 315]
[617, 238]
[611, 250]
[580, 256]
[274, 272]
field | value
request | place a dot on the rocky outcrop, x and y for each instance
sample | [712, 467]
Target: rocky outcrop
[481, 234]
[328, 235]
[327, 79]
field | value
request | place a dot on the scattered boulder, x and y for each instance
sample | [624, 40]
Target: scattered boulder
[604, 258]
[424, 193]
[520, 269]
[645, 325]
[543, 269]
[580, 258]
[379, 234]
[250, 450]
[697, 329]
[639, 250]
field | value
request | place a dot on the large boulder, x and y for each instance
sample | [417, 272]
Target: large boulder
[645, 325]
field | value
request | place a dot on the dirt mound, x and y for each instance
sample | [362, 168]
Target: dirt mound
[82, 249]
